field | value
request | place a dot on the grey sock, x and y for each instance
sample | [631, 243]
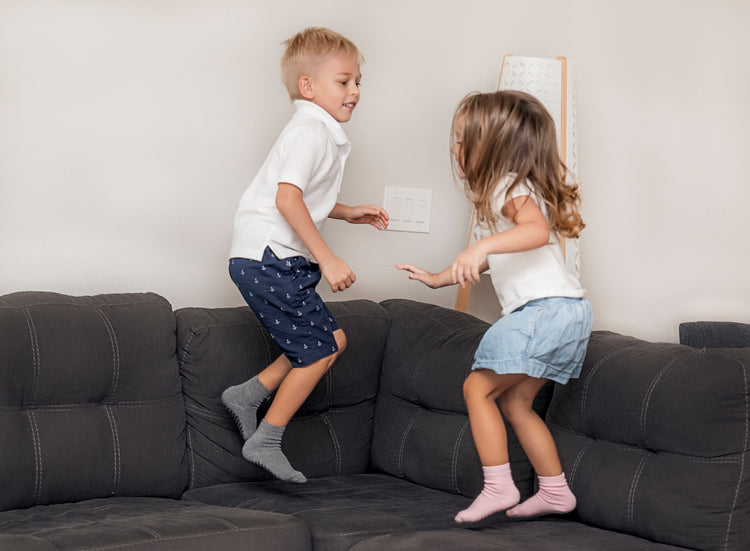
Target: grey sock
[242, 401]
[264, 449]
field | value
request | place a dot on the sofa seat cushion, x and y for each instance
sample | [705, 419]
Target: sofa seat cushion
[342, 510]
[655, 440]
[331, 432]
[148, 524]
[536, 535]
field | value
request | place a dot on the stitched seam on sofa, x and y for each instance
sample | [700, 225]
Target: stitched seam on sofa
[274, 528]
[191, 455]
[250, 503]
[650, 391]
[151, 300]
[334, 439]
[454, 459]
[732, 459]
[579, 458]
[196, 330]
[403, 441]
[33, 337]
[92, 405]
[37, 457]
[633, 488]
[743, 453]
[115, 450]
[115, 353]
[589, 378]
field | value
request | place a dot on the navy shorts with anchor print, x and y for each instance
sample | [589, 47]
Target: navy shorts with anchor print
[281, 293]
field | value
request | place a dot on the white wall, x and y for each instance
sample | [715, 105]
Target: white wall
[129, 130]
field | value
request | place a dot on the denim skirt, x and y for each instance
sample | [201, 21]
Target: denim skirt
[545, 338]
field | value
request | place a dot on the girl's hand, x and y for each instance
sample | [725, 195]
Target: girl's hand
[367, 214]
[428, 278]
[469, 264]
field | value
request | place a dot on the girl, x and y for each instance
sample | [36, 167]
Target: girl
[505, 150]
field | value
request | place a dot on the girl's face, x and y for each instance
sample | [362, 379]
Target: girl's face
[458, 138]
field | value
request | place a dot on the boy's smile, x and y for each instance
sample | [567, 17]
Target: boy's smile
[334, 86]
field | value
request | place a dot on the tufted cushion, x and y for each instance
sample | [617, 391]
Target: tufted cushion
[654, 438]
[90, 400]
[422, 429]
[330, 435]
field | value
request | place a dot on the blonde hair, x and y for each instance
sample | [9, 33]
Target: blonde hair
[510, 132]
[308, 48]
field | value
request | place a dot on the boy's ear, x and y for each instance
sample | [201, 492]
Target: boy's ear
[305, 87]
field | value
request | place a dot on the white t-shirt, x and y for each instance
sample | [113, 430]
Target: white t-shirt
[310, 153]
[527, 275]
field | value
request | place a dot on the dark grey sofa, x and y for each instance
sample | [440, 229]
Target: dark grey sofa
[112, 436]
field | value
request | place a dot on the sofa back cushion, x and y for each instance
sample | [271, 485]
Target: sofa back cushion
[422, 430]
[654, 440]
[90, 399]
[331, 432]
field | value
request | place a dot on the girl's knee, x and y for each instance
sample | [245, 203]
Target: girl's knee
[514, 405]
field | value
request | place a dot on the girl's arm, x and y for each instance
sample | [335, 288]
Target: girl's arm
[432, 280]
[530, 232]
[291, 206]
[363, 214]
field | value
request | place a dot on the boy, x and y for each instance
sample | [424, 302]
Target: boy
[278, 254]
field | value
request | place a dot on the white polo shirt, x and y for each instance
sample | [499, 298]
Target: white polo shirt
[310, 153]
[527, 275]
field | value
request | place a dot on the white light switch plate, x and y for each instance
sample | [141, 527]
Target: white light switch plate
[408, 208]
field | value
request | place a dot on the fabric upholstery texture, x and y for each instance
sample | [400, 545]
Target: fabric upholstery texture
[329, 435]
[150, 524]
[342, 510]
[539, 535]
[422, 430]
[667, 459]
[715, 334]
[89, 394]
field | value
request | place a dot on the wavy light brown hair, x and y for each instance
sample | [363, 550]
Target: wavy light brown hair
[511, 132]
[308, 48]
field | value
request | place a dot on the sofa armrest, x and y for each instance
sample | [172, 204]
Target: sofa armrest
[715, 334]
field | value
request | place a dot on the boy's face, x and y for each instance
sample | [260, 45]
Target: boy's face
[334, 85]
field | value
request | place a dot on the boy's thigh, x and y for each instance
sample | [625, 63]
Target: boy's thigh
[281, 293]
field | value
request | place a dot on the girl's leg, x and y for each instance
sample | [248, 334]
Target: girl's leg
[481, 389]
[554, 495]
[264, 446]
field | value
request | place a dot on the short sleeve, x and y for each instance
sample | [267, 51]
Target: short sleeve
[302, 152]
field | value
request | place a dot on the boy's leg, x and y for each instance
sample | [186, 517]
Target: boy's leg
[554, 495]
[264, 447]
[481, 389]
[243, 400]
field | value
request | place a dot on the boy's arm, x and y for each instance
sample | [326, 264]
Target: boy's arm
[291, 206]
[363, 214]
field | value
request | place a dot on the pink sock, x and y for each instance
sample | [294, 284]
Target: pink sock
[498, 494]
[554, 497]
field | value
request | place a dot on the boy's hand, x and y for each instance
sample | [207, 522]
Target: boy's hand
[428, 278]
[337, 273]
[363, 214]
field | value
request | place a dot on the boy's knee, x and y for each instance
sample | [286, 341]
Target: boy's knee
[340, 341]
